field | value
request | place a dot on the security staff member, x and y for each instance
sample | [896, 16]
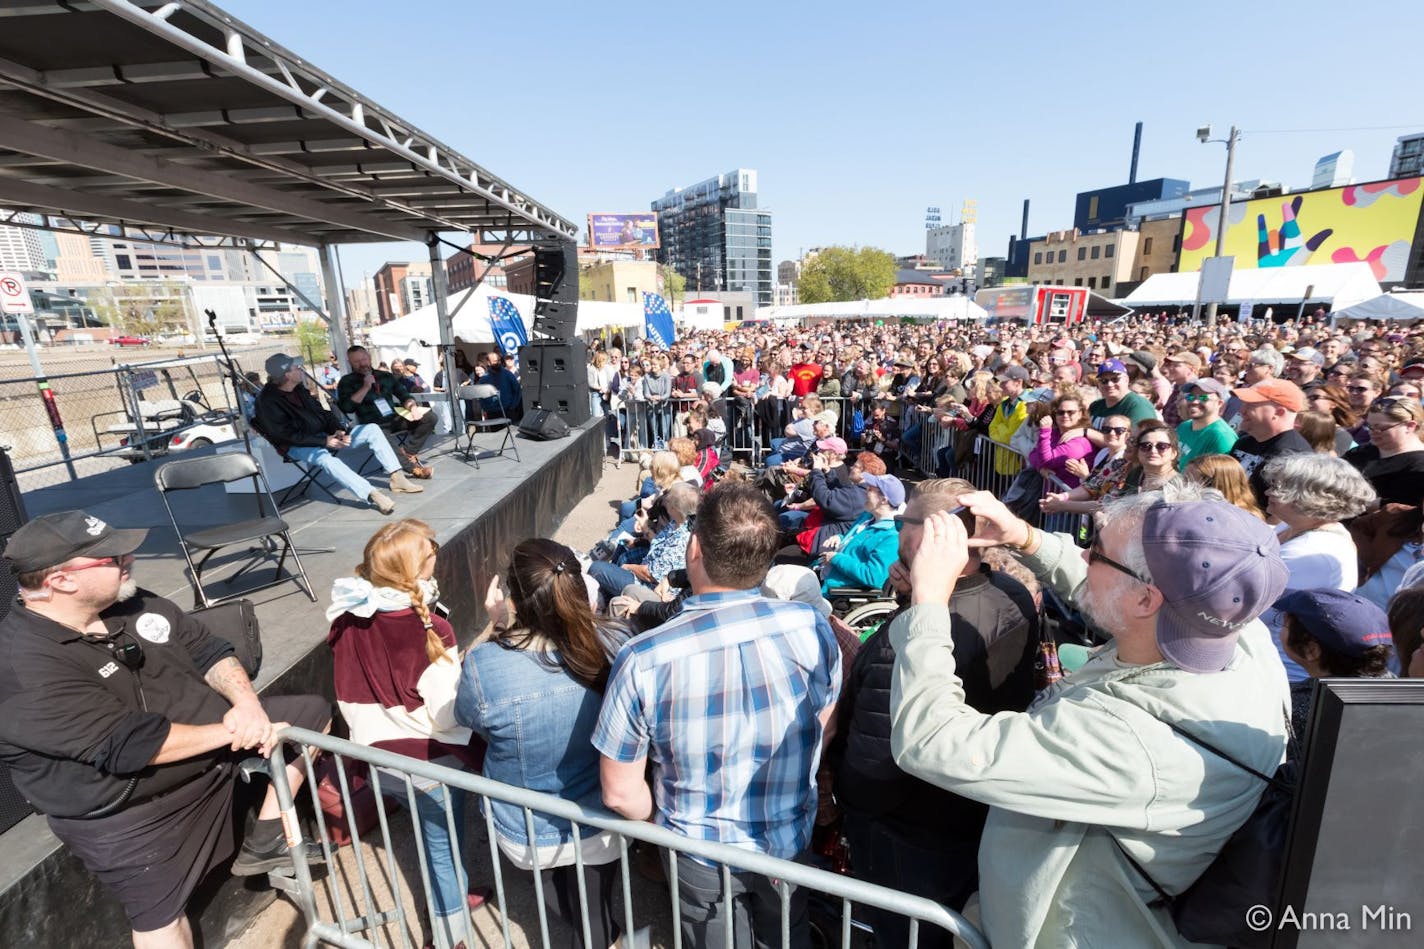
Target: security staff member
[122, 718]
[374, 396]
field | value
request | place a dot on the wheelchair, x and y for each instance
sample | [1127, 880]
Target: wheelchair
[863, 609]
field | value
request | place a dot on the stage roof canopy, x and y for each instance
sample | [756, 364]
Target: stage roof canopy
[178, 116]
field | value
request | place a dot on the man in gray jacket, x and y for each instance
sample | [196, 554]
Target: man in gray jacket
[1093, 767]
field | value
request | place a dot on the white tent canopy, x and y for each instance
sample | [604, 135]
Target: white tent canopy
[1339, 285]
[955, 307]
[414, 335]
[1386, 306]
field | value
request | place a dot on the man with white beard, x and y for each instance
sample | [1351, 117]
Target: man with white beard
[122, 719]
[1096, 798]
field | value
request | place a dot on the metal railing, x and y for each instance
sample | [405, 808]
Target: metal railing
[365, 924]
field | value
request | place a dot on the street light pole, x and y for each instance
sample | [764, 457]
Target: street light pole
[1231, 140]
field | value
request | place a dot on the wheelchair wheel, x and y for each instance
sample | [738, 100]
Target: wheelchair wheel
[866, 618]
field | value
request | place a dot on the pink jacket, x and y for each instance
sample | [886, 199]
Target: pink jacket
[1054, 454]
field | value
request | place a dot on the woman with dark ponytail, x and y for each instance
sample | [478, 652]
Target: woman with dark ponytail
[396, 672]
[533, 692]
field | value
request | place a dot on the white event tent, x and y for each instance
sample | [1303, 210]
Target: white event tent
[415, 335]
[1337, 285]
[1407, 305]
[955, 307]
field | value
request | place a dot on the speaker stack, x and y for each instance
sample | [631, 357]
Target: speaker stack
[554, 370]
[13, 807]
[555, 375]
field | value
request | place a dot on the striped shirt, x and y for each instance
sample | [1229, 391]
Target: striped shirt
[725, 700]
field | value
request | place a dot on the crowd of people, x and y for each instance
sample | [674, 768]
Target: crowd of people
[1225, 514]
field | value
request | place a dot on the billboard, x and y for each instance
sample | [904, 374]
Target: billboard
[623, 231]
[1375, 223]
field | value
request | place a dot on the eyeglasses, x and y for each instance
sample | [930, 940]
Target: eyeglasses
[1198, 397]
[1111, 379]
[1161, 447]
[1068, 412]
[1381, 429]
[1097, 556]
[98, 563]
[1115, 429]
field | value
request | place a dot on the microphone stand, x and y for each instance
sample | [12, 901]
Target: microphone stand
[235, 377]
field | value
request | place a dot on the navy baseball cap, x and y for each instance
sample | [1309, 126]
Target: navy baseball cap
[1112, 366]
[1342, 622]
[1218, 568]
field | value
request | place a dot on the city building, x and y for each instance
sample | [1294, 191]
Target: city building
[788, 271]
[402, 287]
[1098, 261]
[76, 260]
[20, 248]
[787, 294]
[952, 246]
[714, 234]
[463, 268]
[1106, 208]
[361, 304]
[1333, 170]
[619, 281]
[1157, 245]
[1157, 208]
[920, 283]
[735, 304]
[989, 272]
[1408, 158]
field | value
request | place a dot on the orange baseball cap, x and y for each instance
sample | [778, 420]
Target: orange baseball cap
[1281, 392]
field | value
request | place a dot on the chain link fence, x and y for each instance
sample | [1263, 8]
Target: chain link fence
[83, 418]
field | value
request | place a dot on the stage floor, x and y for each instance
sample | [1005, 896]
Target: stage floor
[478, 515]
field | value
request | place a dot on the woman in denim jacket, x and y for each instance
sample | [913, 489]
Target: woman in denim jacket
[533, 692]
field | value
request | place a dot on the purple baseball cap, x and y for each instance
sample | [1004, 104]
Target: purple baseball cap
[1112, 365]
[889, 485]
[1218, 568]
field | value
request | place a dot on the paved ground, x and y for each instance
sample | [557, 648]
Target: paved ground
[281, 924]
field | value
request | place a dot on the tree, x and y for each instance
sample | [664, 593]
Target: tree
[674, 284]
[847, 273]
[314, 340]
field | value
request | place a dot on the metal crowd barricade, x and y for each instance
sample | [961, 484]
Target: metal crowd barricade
[371, 917]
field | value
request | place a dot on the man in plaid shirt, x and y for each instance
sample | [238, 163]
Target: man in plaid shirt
[731, 700]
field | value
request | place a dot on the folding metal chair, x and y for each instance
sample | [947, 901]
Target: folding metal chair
[477, 422]
[265, 529]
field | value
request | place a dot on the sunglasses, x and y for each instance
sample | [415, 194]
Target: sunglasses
[1097, 556]
[1161, 447]
[1197, 397]
[98, 563]
[1357, 388]
[1068, 412]
[1115, 429]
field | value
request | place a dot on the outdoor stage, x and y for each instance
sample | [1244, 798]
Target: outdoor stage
[46, 895]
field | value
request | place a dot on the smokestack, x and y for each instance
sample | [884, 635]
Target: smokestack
[1023, 228]
[1136, 150]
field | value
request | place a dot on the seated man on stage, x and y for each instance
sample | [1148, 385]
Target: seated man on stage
[291, 418]
[380, 398]
[511, 394]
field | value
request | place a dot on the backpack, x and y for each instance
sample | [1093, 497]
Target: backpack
[1246, 872]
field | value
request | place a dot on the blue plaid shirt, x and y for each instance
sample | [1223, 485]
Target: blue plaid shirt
[725, 699]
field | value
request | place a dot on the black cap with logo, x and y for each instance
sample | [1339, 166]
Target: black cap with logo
[51, 539]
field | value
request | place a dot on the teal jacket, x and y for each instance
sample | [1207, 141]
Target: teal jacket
[1093, 755]
[864, 560]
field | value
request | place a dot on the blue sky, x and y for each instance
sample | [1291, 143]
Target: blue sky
[858, 116]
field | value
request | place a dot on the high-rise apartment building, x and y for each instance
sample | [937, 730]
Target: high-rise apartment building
[1408, 157]
[714, 234]
[20, 248]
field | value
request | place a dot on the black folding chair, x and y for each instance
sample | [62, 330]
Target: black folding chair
[479, 422]
[266, 534]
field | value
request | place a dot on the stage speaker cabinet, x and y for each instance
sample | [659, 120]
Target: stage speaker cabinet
[543, 425]
[556, 289]
[553, 363]
[13, 807]
[568, 402]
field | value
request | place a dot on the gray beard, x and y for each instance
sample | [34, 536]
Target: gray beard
[127, 589]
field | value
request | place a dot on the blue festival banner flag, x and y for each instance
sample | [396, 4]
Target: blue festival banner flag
[657, 320]
[507, 326]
